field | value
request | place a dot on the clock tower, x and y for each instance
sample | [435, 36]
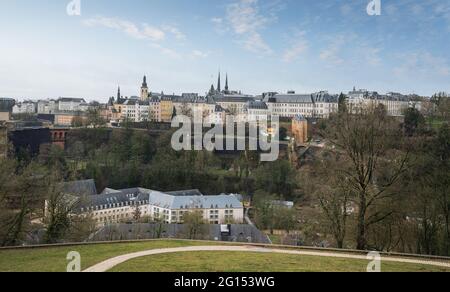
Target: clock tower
[144, 90]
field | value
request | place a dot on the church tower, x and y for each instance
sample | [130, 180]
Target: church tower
[119, 97]
[212, 91]
[144, 90]
[218, 84]
[226, 85]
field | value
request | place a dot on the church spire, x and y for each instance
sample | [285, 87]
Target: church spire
[144, 84]
[218, 84]
[212, 90]
[226, 83]
[144, 90]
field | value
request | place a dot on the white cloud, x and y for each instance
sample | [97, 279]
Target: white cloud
[175, 31]
[255, 43]
[247, 22]
[391, 9]
[166, 51]
[346, 9]
[296, 49]
[217, 20]
[199, 54]
[144, 31]
[332, 52]
[422, 63]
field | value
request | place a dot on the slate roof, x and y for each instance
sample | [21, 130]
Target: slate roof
[71, 99]
[6, 104]
[232, 98]
[167, 201]
[291, 98]
[257, 105]
[301, 98]
[324, 97]
[135, 102]
[188, 199]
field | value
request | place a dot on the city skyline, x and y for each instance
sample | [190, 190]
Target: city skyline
[264, 46]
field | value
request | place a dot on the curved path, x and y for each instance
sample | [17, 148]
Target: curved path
[111, 263]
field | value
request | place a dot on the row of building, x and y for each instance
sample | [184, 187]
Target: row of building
[217, 104]
[214, 106]
[51, 106]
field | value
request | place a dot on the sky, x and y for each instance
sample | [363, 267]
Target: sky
[263, 45]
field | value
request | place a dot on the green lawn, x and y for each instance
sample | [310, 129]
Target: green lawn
[257, 262]
[54, 259]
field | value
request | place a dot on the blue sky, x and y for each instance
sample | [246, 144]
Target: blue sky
[264, 45]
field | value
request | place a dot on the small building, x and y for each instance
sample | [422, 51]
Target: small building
[6, 105]
[70, 104]
[25, 107]
[67, 119]
[300, 130]
[283, 204]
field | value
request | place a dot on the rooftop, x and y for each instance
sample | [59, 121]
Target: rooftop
[186, 199]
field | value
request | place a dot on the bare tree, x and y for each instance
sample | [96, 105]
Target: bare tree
[370, 141]
[22, 189]
[137, 212]
[194, 224]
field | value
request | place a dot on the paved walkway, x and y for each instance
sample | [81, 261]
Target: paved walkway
[111, 263]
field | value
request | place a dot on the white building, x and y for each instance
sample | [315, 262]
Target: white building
[46, 106]
[257, 111]
[394, 103]
[134, 110]
[290, 105]
[216, 116]
[113, 206]
[69, 104]
[25, 107]
[155, 109]
[234, 104]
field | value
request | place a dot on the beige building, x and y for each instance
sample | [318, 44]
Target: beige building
[166, 109]
[67, 119]
[300, 130]
[6, 105]
[155, 110]
[5, 116]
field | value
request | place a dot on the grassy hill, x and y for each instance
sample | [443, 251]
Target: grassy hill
[53, 259]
